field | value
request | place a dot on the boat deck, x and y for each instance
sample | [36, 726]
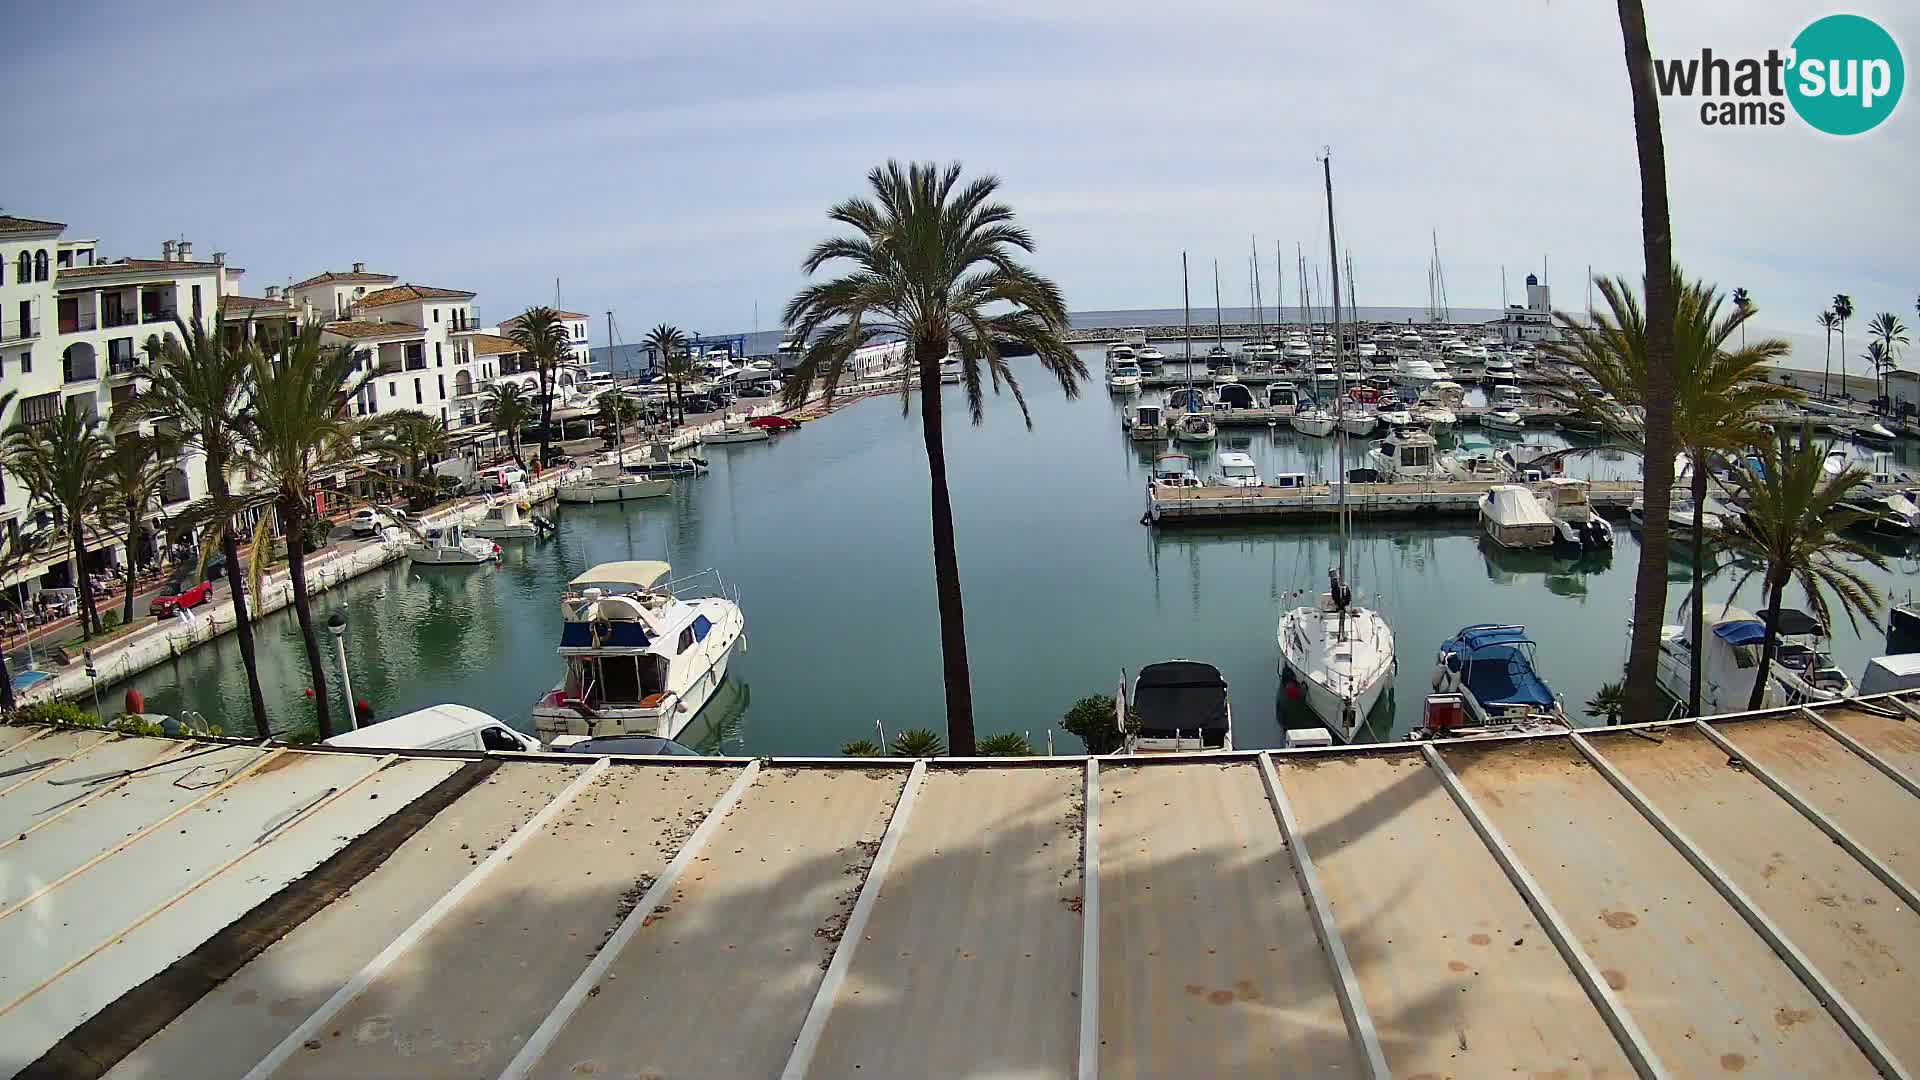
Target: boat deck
[1670, 899]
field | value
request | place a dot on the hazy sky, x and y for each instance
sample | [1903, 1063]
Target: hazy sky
[672, 161]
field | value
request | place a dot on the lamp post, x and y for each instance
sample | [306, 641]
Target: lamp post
[337, 622]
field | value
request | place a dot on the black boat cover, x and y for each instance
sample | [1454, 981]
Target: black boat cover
[1181, 696]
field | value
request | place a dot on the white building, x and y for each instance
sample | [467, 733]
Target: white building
[1531, 323]
[579, 350]
[74, 327]
[416, 338]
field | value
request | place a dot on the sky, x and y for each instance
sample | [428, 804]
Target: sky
[673, 162]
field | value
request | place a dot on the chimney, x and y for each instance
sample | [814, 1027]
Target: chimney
[166, 251]
[359, 268]
[273, 292]
[219, 258]
[186, 251]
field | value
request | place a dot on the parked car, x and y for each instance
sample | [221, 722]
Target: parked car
[368, 521]
[180, 595]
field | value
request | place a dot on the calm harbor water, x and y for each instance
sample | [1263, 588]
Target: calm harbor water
[824, 532]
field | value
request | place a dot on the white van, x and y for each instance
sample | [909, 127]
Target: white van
[438, 727]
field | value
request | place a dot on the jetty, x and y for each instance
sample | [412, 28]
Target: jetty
[1215, 504]
[1681, 898]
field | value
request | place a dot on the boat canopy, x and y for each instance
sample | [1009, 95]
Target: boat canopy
[1181, 696]
[1172, 464]
[644, 573]
[1511, 505]
[1741, 631]
[1796, 623]
[1499, 669]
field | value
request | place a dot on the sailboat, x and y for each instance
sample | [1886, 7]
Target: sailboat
[1192, 425]
[1335, 654]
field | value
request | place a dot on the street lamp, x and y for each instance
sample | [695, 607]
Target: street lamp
[337, 622]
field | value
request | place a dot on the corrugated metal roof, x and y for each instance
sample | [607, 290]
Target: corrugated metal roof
[1668, 900]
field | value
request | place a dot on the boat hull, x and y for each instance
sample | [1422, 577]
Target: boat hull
[605, 492]
[550, 721]
[723, 438]
[1317, 426]
[1343, 710]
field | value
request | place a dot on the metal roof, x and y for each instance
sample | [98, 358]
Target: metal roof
[1676, 899]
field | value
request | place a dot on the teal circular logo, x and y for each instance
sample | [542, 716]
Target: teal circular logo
[1847, 74]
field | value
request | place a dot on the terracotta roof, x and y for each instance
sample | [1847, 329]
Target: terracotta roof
[494, 344]
[349, 276]
[401, 294]
[136, 266]
[515, 321]
[354, 328]
[237, 306]
[11, 224]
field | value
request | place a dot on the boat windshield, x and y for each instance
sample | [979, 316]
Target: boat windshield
[1242, 472]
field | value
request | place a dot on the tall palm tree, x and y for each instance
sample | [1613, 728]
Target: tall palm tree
[135, 481]
[933, 266]
[1716, 392]
[543, 334]
[678, 369]
[300, 439]
[1843, 310]
[62, 462]
[416, 441]
[1890, 333]
[200, 391]
[669, 348]
[663, 341]
[1656, 244]
[1829, 322]
[507, 404]
[1795, 530]
[1741, 302]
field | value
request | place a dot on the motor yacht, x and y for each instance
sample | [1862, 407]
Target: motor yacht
[1512, 517]
[451, 546]
[1406, 455]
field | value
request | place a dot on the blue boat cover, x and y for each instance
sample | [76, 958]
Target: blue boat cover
[1741, 632]
[1499, 671]
[615, 635]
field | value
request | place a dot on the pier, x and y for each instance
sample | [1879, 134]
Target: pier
[1217, 504]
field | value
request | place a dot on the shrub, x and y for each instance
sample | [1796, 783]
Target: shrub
[918, 743]
[54, 712]
[1091, 718]
[1005, 744]
[861, 748]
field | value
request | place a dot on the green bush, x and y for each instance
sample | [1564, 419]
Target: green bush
[1005, 744]
[54, 712]
[1091, 718]
[918, 743]
[861, 748]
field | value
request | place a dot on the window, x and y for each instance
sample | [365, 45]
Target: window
[39, 409]
[40, 265]
[25, 272]
[362, 358]
[494, 738]
[686, 641]
[701, 628]
[418, 398]
[392, 389]
[26, 363]
[196, 303]
[64, 259]
[436, 314]
[442, 380]
[437, 361]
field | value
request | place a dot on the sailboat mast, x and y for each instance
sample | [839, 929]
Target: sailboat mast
[1280, 288]
[1219, 331]
[619, 432]
[1339, 344]
[1186, 300]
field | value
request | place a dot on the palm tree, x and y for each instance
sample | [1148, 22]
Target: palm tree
[669, 345]
[135, 480]
[416, 441]
[507, 404]
[1656, 244]
[678, 369]
[617, 413]
[542, 333]
[1741, 302]
[1829, 322]
[1716, 392]
[1795, 530]
[1843, 310]
[62, 463]
[200, 391]
[1889, 333]
[299, 440]
[934, 267]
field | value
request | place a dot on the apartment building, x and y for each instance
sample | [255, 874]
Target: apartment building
[579, 351]
[416, 339]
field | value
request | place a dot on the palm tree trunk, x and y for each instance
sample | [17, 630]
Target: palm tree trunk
[1843, 358]
[546, 411]
[1774, 589]
[1698, 632]
[293, 514]
[89, 615]
[237, 583]
[1826, 377]
[7, 702]
[946, 562]
[126, 603]
[1650, 587]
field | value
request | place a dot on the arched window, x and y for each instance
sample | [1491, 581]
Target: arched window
[40, 265]
[26, 268]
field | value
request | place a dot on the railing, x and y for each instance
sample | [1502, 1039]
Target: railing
[417, 365]
[120, 318]
[126, 365]
[77, 323]
[19, 329]
[161, 315]
[388, 368]
[79, 373]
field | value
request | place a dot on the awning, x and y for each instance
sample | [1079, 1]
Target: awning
[642, 572]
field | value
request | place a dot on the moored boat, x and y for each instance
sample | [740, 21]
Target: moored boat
[1181, 707]
[734, 432]
[1195, 427]
[508, 518]
[451, 546]
[1486, 679]
[610, 483]
[1512, 517]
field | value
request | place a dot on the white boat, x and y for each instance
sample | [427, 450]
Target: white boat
[1313, 420]
[1149, 424]
[610, 483]
[1513, 518]
[1503, 420]
[1282, 399]
[1150, 356]
[1406, 455]
[1324, 373]
[451, 546]
[1358, 420]
[1536, 456]
[1173, 470]
[1181, 707]
[1190, 399]
[1577, 524]
[1337, 655]
[1195, 427]
[1498, 372]
[1679, 516]
[1439, 419]
[737, 431]
[1238, 470]
[952, 371]
[1233, 395]
[640, 659]
[1802, 671]
[1124, 377]
[1415, 373]
[508, 518]
[1119, 351]
[1473, 458]
[1490, 667]
[1444, 392]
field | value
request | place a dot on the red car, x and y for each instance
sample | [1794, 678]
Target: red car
[773, 423]
[169, 603]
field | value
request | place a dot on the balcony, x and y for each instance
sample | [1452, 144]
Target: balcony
[121, 366]
[79, 371]
[78, 322]
[416, 363]
[159, 315]
[119, 318]
[19, 329]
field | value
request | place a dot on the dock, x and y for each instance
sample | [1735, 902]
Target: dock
[1683, 898]
[1216, 504]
